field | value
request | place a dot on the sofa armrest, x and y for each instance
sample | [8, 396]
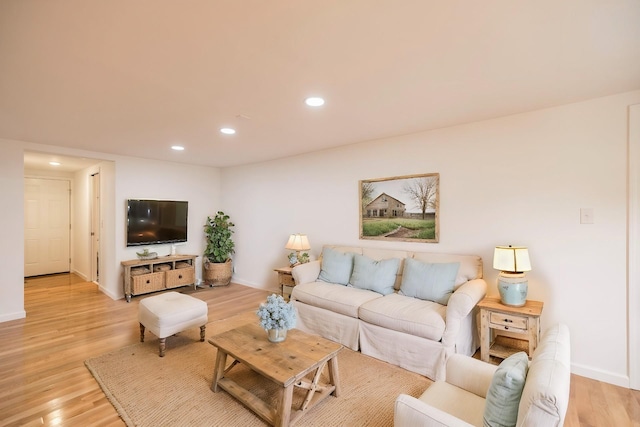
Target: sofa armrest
[470, 374]
[411, 412]
[306, 273]
[461, 303]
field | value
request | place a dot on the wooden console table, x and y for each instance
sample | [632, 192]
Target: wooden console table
[170, 276]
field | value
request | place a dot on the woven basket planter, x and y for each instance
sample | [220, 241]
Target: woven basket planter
[217, 274]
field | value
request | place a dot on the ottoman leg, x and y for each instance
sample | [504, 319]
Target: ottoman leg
[202, 328]
[141, 332]
[162, 346]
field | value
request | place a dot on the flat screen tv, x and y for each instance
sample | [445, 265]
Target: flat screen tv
[151, 222]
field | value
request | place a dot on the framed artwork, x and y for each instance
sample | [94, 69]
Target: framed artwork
[401, 208]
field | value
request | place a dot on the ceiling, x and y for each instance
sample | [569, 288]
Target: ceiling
[134, 78]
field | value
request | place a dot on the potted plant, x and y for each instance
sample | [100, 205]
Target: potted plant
[277, 317]
[220, 247]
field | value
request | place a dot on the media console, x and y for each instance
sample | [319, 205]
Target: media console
[142, 276]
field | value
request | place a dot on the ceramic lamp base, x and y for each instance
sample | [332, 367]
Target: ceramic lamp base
[513, 288]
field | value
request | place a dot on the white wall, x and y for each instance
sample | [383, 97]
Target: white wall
[520, 179]
[149, 179]
[11, 232]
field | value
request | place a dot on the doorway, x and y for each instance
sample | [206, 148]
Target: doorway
[95, 227]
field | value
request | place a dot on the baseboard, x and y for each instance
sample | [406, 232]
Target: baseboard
[83, 276]
[13, 316]
[600, 375]
[110, 294]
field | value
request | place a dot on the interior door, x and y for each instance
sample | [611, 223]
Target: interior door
[46, 226]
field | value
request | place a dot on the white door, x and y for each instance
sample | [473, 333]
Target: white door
[46, 226]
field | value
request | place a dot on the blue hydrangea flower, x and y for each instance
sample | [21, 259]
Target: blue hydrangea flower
[276, 313]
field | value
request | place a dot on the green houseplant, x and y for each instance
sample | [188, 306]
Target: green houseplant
[220, 247]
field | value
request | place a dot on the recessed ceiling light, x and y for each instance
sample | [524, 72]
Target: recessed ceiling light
[314, 101]
[54, 163]
[228, 131]
[177, 147]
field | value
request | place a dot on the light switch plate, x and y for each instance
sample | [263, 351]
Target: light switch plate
[586, 216]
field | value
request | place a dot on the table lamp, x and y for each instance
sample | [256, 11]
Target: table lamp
[512, 261]
[297, 243]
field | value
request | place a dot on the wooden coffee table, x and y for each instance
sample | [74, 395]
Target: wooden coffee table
[285, 363]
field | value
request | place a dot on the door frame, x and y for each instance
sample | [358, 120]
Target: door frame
[95, 221]
[633, 262]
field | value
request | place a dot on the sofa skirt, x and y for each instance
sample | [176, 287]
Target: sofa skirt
[410, 352]
[333, 326]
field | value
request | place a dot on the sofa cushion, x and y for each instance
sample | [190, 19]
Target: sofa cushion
[470, 265]
[330, 296]
[503, 396]
[336, 266]
[433, 282]
[377, 276]
[405, 314]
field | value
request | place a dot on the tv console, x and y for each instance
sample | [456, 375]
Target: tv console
[142, 276]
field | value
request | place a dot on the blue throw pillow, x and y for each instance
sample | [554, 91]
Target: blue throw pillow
[505, 391]
[336, 266]
[432, 282]
[377, 276]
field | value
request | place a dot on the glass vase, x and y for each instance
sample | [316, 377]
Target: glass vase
[276, 335]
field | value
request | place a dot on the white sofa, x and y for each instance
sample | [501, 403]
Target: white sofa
[416, 334]
[460, 400]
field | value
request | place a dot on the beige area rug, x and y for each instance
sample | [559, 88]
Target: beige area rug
[147, 390]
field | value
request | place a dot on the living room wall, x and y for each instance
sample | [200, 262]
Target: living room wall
[520, 179]
[121, 178]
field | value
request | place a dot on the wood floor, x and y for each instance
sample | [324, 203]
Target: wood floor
[43, 380]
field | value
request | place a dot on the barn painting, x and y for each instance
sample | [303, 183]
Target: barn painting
[403, 208]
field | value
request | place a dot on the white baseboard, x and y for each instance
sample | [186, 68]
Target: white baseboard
[600, 375]
[111, 295]
[13, 316]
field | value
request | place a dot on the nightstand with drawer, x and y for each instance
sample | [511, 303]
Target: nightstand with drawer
[505, 330]
[286, 282]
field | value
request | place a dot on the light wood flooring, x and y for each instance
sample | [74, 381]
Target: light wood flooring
[43, 380]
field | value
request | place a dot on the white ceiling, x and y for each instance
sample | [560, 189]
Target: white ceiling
[135, 77]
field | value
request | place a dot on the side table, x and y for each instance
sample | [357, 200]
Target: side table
[505, 330]
[285, 280]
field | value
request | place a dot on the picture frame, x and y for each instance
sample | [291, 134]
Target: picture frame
[400, 208]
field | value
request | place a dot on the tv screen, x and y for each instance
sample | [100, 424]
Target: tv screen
[156, 221]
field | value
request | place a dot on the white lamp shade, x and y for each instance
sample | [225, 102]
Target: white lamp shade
[298, 242]
[511, 259]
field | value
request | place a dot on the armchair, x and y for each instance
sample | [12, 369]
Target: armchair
[460, 399]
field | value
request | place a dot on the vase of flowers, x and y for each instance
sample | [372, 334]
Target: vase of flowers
[276, 317]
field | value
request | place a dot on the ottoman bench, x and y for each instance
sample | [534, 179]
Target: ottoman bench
[169, 313]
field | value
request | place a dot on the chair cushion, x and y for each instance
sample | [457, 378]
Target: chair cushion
[405, 314]
[455, 401]
[330, 296]
[377, 276]
[503, 396]
[433, 282]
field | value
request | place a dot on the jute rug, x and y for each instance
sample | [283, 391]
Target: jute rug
[147, 390]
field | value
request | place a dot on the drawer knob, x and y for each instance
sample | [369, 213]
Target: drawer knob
[508, 320]
[148, 281]
[180, 276]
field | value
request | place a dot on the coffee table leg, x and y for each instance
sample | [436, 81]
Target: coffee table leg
[283, 410]
[218, 371]
[334, 375]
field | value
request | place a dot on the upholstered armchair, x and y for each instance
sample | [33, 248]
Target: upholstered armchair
[461, 399]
